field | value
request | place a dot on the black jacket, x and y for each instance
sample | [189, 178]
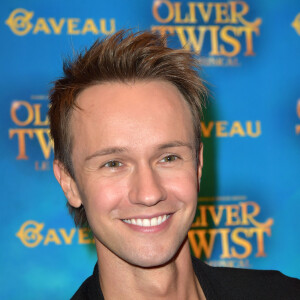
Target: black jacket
[221, 284]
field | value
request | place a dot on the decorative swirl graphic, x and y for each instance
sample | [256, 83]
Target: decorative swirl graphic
[29, 233]
[19, 21]
[296, 24]
[298, 114]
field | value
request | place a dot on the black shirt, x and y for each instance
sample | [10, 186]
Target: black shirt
[220, 283]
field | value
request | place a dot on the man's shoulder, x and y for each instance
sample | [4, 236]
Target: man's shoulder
[235, 283]
[220, 283]
[90, 288]
[82, 292]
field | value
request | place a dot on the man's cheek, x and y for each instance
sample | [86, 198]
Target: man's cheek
[184, 185]
[105, 198]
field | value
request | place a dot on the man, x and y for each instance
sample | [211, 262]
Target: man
[125, 120]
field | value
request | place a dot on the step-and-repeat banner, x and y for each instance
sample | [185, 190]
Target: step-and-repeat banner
[248, 212]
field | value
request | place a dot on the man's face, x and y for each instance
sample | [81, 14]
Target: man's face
[135, 167]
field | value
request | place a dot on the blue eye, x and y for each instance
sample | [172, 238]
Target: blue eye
[113, 164]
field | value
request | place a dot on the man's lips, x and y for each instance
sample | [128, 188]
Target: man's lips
[148, 222]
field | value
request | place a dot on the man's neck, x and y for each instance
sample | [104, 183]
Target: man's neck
[174, 280]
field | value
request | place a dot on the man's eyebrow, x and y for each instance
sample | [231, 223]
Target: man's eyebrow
[114, 150]
[175, 144]
[106, 151]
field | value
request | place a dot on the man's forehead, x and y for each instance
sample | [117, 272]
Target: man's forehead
[120, 93]
[128, 113]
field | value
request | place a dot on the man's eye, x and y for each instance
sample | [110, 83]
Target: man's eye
[170, 158]
[113, 164]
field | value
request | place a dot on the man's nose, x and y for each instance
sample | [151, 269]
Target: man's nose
[146, 187]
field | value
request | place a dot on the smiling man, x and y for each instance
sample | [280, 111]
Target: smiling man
[125, 120]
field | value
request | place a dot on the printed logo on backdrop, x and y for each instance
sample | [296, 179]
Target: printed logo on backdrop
[23, 22]
[225, 129]
[296, 24]
[298, 114]
[218, 32]
[30, 131]
[228, 231]
[33, 234]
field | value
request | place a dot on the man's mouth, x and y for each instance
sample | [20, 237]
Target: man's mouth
[148, 222]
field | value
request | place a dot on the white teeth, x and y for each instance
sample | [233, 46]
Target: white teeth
[147, 222]
[153, 221]
[159, 220]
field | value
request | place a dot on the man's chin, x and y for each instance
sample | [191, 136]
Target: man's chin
[155, 259]
[151, 262]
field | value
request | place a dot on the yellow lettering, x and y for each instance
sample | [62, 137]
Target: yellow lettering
[236, 46]
[156, 15]
[67, 237]
[203, 218]
[199, 242]
[178, 18]
[41, 25]
[238, 16]
[249, 38]
[260, 240]
[38, 122]
[232, 213]
[250, 131]
[72, 26]
[216, 216]
[42, 166]
[224, 242]
[52, 237]
[57, 27]
[104, 29]
[192, 12]
[297, 127]
[205, 14]
[220, 128]
[241, 242]
[201, 221]
[84, 236]
[46, 147]
[206, 130]
[222, 13]
[237, 129]
[249, 217]
[191, 41]
[89, 26]
[13, 113]
[21, 140]
[214, 41]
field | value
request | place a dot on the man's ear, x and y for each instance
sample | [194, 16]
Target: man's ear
[67, 184]
[200, 164]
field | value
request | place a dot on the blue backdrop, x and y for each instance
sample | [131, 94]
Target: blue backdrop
[250, 191]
